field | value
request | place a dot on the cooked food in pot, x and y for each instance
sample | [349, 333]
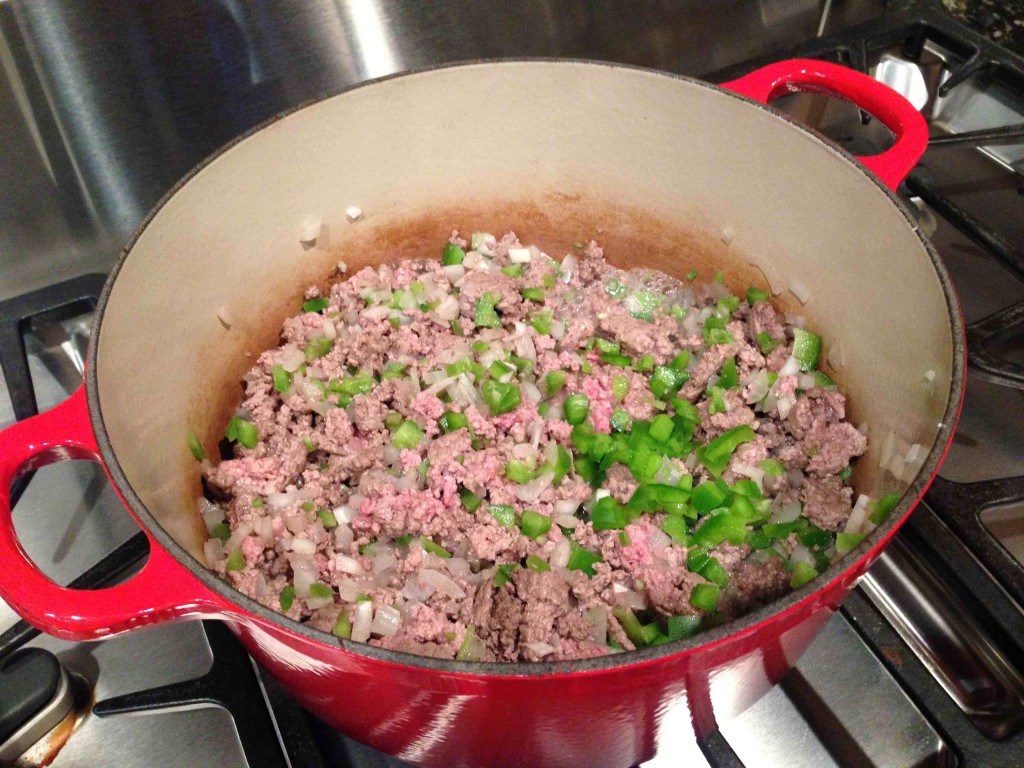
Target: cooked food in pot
[497, 456]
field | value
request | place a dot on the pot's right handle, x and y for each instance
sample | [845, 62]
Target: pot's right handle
[161, 591]
[895, 112]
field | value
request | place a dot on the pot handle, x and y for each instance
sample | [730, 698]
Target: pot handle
[895, 112]
[161, 591]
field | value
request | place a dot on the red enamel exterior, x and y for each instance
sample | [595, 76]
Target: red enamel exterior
[445, 714]
[896, 113]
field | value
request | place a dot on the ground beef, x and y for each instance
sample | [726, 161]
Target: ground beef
[407, 444]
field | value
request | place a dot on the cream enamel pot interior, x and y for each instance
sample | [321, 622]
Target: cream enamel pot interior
[655, 167]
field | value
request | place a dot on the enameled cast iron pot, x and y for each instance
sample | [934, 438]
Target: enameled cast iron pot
[654, 166]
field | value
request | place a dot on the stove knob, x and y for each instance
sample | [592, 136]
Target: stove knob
[35, 696]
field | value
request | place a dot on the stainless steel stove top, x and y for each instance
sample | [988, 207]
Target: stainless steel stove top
[104, 109]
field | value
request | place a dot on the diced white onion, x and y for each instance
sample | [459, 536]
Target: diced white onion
[566, 521]
[347, 564]
[758, 386]
[316, 603]
[363, 621]
[476, 261]
[454, 273]
[913, 453]
[349, 589]
[558, 329]
[559, 557]
[225, 317]
[807, 381]
[532, 490]
[464, 393]
[291, 358]
[668, 473]
[629, 598]
[532, 393]
[448, 309]
[790, 368]
[212, 514]
[800, 290]
[802, 554]
[303, 546]
[309, 230]
[330, 331]
[540, 649]
[377, 312]
[263, 527]
[386, 621]
[785, 404]
[240, 532]
[566, 507]
[440, 582]
[728, 233]
[787, 513]
[568, 267]
[836, 356]
[929, 375]
[417, 592]
[483, 242]
[343, 537]
[382, 561]
[519, 255]
[305, 573]
[441, 384]
[754, 473]
[213, 550]
[858, 520]
[346, 513]
[794, 319]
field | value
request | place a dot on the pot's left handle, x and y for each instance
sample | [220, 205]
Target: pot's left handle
[161, 591]
[895, 112]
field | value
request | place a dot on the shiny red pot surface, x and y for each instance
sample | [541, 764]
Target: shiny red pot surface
[657, 168]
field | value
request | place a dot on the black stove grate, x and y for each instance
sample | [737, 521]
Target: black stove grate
[951, 515]
[232, 681]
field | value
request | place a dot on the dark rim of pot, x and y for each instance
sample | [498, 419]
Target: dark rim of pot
[744, 625]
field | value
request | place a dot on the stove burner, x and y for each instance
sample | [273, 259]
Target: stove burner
[38, 698]
[231, 683]
[982, 333]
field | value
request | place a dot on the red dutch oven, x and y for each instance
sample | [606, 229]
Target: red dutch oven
[656, 167]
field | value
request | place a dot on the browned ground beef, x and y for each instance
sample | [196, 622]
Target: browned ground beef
[411, 430]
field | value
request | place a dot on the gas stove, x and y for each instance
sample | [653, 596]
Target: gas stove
[103, 111]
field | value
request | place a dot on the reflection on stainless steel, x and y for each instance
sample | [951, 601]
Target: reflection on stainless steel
[44, 721]
[1007, 525]
[980, 103]
[904, 77]
[182, 739]
[105, 106]
[839, 708]
[947, 634]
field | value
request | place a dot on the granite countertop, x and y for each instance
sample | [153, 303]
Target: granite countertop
[1000, 20]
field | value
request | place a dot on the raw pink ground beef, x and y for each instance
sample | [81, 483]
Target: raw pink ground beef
[327, 512]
